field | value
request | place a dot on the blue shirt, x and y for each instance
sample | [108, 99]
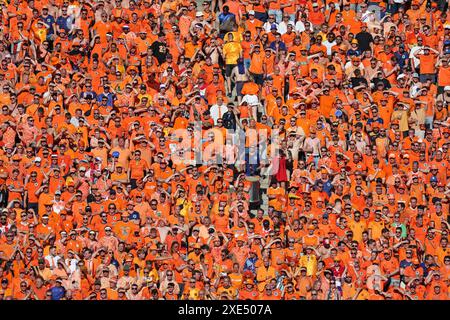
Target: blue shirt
[281, 45]
[249, 264]
[85, 94]
[49, 20]
[252, 162]
[401, 58]
[372, 120]
[111, 97]
[58, 293]
[404, 264]
[64, 23]
[352, 52]
[327, 187]
[425, 269]
[134, 215]
[224, 17]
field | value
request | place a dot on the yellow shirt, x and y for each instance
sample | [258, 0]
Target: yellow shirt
[193, 294]
[363, 295]
[357, 228]
[402, 117]
[376, 227]
[232, 51]
[310, 263]
[230, 291]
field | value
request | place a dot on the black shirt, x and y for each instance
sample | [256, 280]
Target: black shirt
[229, 120]
[385, 82]
[364, 40]
[357, 81]
[159, 51]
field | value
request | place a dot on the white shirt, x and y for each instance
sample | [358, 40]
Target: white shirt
[268, 25]
[329, 45]
[72, 264]
[416, 61]
[300, 26]
[365, 17]
[414, 89]
[53, 260]
[75, 122]
[251, 99]
[282, 27]
[217, 111]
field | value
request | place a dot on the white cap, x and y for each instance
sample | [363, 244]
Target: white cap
[252, 12]
[401, 76]
[446, 88]
[199, 14]
[37, 159]
[415, 75]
